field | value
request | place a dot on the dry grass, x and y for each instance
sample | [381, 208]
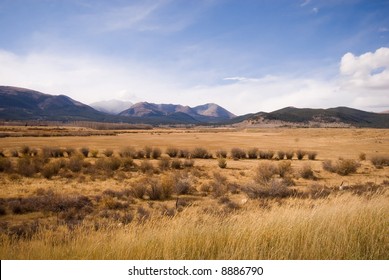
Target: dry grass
[57, 204]
[345, 227]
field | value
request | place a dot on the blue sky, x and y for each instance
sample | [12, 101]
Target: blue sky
[246, 55]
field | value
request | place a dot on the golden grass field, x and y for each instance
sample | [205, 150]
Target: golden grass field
[140, 209]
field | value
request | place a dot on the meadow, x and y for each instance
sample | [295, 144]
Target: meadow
[198, 193]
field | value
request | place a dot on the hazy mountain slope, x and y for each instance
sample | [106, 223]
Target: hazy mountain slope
[112, 106]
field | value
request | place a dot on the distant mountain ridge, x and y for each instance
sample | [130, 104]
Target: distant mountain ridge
[26, 104]
[204, 113]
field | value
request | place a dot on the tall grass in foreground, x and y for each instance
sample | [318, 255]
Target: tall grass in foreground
[343, 227]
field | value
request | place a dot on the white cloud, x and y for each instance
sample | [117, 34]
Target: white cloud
[367, 71]
[306, 2]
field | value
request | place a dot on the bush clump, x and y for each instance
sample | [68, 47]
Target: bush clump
[5, 164]
[306, 172]
[84, 151]
[238, 153]
[252, 153]
[342, 167]
[289, 155]
[221, 154]
[300, 154]
[380, 161]
[266, 154]
[146, 167]
[51, 169]
[264, 172]
[200, 152]
[176, 163]
[156, 153]
[108, 152]
[222, 162]
[127, 152]
[172, 151]
[164, 163]
[312, 155]
[281, 155]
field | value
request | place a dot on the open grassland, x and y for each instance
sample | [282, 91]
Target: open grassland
[196, 194]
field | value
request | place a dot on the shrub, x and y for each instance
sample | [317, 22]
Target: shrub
[84, 151]
[108, 152]
[154, 190]
[342, 167]
[289, 155]
[265, 154]
[164, 163]
[171, 151]
[346, 166]
[222, 162]
[167, 185]
[199, 152]
[56, 152]
[306, 172]
[5, 164]
[14, 153]
[2, 153]
[33, 152]
[273, 189]
[221, 154]
[300, 154]
[156, 153]
[69, 151]
[128, 164]
[127, 152]
[265, 172]
[362, 156]
[312, 155]
[75, 163]
[51, 169]
[379, 161]
[176, 164]
[148, 150]
[238, 153]
[108, 164]
[146, 166]
[281, 155]
[25, 150]
[284, 168]
[252, 153]
[140, 154]
[327, 165]
[219, 185]
[138, 190]
[183, 186]
[183, 153]
[189, 162]
[28, 167]
[94, 153]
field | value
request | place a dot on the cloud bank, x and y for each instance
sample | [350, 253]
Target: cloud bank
[359, 81]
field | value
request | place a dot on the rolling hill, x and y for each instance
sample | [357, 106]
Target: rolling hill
[338, 116]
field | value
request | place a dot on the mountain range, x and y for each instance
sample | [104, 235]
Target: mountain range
[25, 104]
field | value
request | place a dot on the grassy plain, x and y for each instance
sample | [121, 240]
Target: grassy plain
[134, 211]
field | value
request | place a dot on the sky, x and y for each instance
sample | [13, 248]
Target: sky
[245, 55]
